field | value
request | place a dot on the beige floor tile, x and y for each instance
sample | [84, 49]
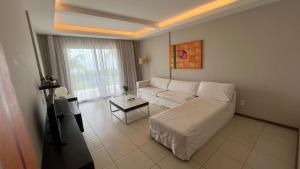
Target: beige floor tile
[172, 162]
[126, 129]
[246, 135]
[222, 161]
[235, 150]
[216, 141]
[101, 159]
[228, 130]
[247, 167]
[140, 124]
[203, 154]
[111, 166]
[88, 135]
[140, 137]
[154, 151]
[258, 160]
[112, 136]
[280, 131]
[102, 128]
[120, 149]
[94, 144]
[291, 143]
[88, 132]
[155, 167]
[250, 128]
[280, 135]
[276, 150]
[134, 160]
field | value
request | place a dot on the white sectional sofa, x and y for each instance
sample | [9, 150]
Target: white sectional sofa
[166, 92]
[198, 111]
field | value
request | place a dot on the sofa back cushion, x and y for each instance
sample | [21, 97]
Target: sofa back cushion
[184, 86]
[216, 91]
[159, 82]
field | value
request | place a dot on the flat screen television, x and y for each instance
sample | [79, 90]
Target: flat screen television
[54, 121]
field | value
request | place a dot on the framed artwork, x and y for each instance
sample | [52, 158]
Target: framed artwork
[186, 55]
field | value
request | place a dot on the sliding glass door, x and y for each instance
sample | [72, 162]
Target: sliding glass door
[94, 72]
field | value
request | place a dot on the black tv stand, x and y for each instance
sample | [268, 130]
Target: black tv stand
[73, 155]
[69, 149]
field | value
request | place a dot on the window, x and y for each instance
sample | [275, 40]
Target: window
[94, 72]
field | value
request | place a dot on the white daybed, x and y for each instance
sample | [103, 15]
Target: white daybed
[185, 128]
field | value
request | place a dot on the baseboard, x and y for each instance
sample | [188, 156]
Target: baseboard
[267, 121]
[298, 149]
[281, 125]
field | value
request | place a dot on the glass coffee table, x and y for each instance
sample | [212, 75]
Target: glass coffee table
[126, 105]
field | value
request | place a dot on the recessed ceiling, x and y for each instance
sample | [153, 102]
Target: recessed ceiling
[155, 10]
[96, 22]
[127, 19]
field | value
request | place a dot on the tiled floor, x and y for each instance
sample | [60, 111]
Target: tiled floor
[243, 144]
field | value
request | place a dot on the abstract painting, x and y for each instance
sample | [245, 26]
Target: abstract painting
[186, 55]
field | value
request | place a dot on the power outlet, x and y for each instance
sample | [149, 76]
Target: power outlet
[242, 102]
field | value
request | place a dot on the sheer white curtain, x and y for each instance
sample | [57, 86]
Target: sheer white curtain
[90, 68]
[93, 67]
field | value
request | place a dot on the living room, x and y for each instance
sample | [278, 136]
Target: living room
[125, 72]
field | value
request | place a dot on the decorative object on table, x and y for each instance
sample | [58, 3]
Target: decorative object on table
[48, 79]
[131, 99]
[61, 92]
[48, 82]
[186, 55]
[125, 88]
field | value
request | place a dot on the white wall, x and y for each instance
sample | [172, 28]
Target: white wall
[18, 48]
[258, 50]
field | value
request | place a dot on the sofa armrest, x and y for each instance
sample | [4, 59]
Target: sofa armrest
[141, 84]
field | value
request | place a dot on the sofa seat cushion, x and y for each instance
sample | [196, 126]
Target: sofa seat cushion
[151, 90]
[175, 96]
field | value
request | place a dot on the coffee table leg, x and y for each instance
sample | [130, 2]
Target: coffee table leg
[111, 110]
[125, 117]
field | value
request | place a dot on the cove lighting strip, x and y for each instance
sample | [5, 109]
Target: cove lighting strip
[168, 22]
[195, 12]
[59, 26]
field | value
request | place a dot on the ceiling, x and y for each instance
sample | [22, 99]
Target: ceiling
[154, 10]
[127, 19]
